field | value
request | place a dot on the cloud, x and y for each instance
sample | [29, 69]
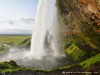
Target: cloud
[27, 20]
[19, 25]
[16, 21]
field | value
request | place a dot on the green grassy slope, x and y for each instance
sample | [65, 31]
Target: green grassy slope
[12, 39]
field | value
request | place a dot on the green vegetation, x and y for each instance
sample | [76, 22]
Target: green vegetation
[9, 67]
[16, 41]
[63, 67]
[87, 63]
[80, 40]
[86, 44]
[75, 52]
[12, 40]
[3, 48]
[26, 43]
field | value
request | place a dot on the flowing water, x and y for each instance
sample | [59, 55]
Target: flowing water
[45, 50]
[45, 39]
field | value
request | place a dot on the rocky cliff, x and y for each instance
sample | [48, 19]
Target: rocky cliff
[79, 22]
[81, 17]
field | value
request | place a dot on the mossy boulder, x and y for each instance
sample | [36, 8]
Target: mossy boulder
[75, 52]
[5, 65]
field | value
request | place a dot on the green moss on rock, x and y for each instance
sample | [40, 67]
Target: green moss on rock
[89, 62]
[75, 52]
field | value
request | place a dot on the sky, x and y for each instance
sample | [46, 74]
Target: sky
[17, 14]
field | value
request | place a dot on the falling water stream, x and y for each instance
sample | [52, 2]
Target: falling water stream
[45, 39]
[45, 50]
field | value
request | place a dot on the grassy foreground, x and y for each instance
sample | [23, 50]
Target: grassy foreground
[9, 67]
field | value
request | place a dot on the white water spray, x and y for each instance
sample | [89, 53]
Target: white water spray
[45, 51]
[45, 39]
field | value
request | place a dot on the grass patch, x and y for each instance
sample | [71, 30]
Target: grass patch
[26, 43]
[12, 39]
[9, 67]
[3, 48]
[91, 61]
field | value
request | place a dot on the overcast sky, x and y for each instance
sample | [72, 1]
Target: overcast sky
[15, 13]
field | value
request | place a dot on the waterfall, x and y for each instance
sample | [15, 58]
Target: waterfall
[45, 39]
[45, 50]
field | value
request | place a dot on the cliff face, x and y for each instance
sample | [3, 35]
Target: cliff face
[79, 22]
[81, 17]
